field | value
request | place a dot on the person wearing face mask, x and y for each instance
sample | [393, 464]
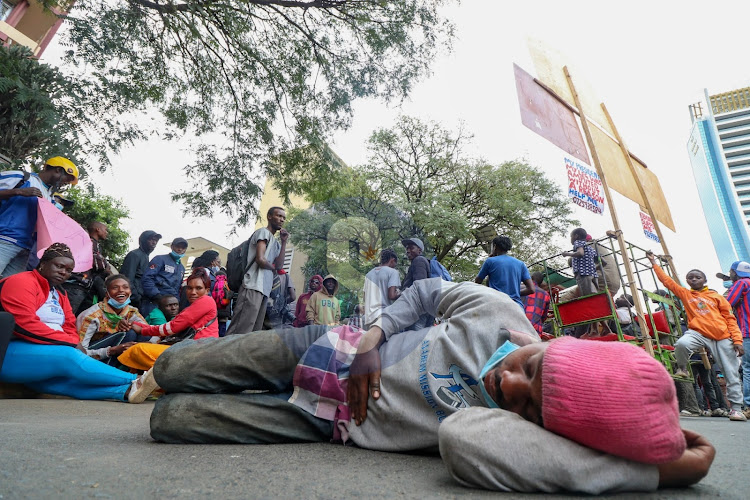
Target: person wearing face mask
[567, 415]
[163, 276]
[429, 377]
[45, 354]
[739, 279]
[19, 192]
[105, 325]
[136, 263]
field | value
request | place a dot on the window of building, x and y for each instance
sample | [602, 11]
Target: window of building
[5, 7]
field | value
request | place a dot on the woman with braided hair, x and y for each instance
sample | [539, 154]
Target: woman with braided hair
[44, 353]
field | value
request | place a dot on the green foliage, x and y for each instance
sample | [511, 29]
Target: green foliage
[462, 203]
[33, 116]
[344, 237]
[418, 182]
[43, 113]
[90, 207]
[270, 76]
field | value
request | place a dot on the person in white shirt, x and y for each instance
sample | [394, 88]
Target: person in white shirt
[382, 286]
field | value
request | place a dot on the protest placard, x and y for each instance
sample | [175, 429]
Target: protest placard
[648, 227]
[584, 186]
[53, 226]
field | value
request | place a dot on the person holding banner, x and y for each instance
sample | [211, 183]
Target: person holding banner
[19, 191]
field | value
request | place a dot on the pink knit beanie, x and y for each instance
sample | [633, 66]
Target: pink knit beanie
[612, 397]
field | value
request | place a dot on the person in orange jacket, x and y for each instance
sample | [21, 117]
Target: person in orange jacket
[712, 325]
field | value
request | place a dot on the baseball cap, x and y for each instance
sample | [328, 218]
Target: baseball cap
[180, 242]
[413, 241]
[742, 268]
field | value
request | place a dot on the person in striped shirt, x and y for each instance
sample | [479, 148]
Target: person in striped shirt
[738, 298]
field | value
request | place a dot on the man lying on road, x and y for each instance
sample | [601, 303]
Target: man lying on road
[440, 388]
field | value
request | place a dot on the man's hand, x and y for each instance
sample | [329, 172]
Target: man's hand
[136, 328]
[691, 467]
[29, 192]
[651, 258]
[283, 234]
[613, 234]
[124, 325]
[119, 349]
[364, 374]
[739, 350]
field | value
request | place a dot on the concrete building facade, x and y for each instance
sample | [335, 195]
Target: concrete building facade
[719, 152]
[28, 23]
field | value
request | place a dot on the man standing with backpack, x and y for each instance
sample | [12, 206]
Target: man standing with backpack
[259, 257]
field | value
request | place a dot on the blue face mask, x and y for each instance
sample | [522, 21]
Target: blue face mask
[118, 305]
[57, 205]
[176, 255]
[728, 284]
[215, 269]
[505, 349]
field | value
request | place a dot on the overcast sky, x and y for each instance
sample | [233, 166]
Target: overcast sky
[647, 60]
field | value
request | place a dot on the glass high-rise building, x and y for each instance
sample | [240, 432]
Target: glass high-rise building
[719, 151]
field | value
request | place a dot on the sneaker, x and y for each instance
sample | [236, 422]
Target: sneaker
[719, 412]
[705, 413]
[688, 413]
[737, 416]
[681, 373]
[142, 387]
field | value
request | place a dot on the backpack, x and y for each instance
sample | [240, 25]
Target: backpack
[437, 270]
[23, 181]
[25, 178]
[220, 292]
[237, 265]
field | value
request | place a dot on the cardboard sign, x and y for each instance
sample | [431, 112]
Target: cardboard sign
[546, 116]
[53, 226]
[648, 227]
[585, 187]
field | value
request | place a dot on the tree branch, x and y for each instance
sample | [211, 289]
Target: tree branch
[184, 7]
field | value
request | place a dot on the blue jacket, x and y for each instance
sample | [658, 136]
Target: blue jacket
[18, 214]
[163, 277]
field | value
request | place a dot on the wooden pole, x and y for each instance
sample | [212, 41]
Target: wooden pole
[641, 190]
[613, 213]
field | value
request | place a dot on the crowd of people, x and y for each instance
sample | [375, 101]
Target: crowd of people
[236, 356]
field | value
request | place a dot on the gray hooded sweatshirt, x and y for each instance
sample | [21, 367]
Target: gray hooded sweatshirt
[431, 375]
[428, 374]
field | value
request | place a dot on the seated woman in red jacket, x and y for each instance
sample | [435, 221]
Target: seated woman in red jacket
[200, 315]
[45, 354]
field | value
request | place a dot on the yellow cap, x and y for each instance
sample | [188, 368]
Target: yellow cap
[67, 165]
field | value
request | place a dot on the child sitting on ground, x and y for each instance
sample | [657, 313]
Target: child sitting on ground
[711, 324]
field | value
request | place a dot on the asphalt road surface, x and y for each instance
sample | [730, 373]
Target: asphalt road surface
[61, 448]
